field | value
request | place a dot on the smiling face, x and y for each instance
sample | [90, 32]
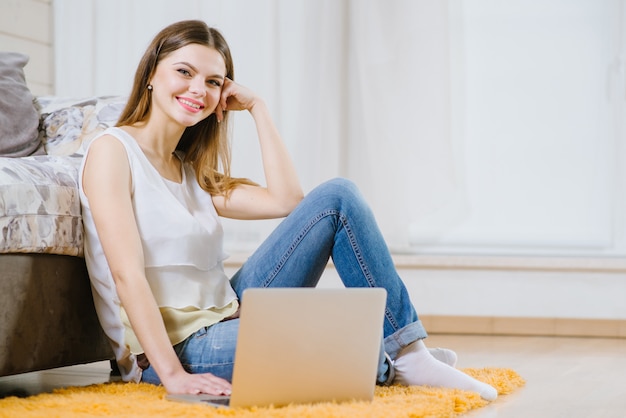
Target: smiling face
[187, 84]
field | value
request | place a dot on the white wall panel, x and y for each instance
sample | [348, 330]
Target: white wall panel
[25, 26]
[535, 121]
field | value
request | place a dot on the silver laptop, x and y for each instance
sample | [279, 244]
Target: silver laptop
[303, 345]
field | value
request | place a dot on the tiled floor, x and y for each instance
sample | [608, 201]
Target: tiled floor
[45, 381]
[566, 377]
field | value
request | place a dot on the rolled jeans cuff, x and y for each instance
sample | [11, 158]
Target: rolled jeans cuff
[391, 372]
[403, 337]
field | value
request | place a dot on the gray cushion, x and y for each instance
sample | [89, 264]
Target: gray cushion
[19, 118]
[40, 205]
[39, 201]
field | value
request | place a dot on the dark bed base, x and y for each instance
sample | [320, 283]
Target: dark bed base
[47, 316]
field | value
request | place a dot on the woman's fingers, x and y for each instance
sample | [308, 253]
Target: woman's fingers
[235, 97]
[216, 385]
[226, 92]
[199, 383]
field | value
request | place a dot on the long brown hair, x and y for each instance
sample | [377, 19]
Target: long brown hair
[205, 144]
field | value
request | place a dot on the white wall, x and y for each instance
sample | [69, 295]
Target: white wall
[26, 27]
[538, 126]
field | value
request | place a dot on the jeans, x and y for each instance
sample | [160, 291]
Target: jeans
[334, 221]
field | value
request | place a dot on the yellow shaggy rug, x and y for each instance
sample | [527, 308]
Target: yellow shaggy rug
[143, 400]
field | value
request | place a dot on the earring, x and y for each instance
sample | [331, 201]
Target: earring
[150, 87]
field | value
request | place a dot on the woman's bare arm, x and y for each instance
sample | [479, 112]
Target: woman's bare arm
[283, 191]
[107, 185]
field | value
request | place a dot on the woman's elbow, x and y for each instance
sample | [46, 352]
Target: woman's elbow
[290, 203]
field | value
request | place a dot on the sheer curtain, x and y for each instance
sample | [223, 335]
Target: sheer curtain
[355, 87]
[471, 126]
[400, 144]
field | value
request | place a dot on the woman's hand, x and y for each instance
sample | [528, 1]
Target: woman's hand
[235, 97]
[282, 192]
[187, 383]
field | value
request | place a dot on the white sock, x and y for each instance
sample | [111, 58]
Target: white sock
[415, 365]
[445, 355]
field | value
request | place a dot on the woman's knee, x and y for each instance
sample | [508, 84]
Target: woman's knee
[339, 185]
[338, 190]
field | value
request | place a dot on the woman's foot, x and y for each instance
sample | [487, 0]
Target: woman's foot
[444, 355]
[415, 365]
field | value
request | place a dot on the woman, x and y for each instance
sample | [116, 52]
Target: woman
[152, 189]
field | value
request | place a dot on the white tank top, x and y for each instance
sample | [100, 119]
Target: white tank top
[182, 241]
